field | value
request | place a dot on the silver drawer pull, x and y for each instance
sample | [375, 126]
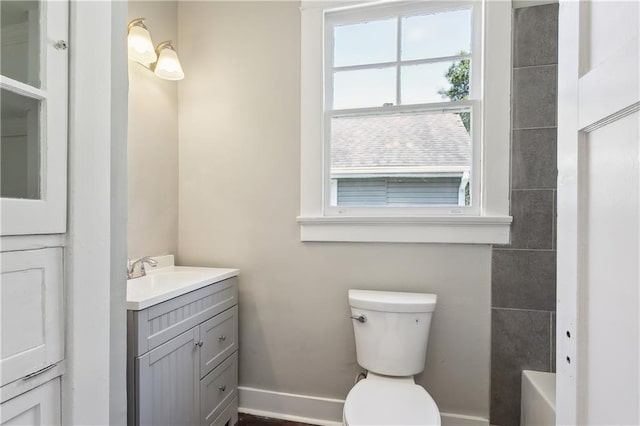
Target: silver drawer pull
[199, 344]
[222, 338]
[39, 372]
[223, 388]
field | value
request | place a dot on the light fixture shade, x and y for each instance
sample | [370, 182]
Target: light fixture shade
[168, 65]
[140, 45]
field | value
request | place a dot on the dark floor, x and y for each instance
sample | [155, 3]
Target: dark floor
[248, 420]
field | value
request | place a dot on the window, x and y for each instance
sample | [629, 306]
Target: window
[395, 126]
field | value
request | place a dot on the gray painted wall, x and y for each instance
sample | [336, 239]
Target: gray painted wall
[524, 272]
[239, 121]
[152, 227]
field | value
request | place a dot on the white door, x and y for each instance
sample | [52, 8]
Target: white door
[598, 380]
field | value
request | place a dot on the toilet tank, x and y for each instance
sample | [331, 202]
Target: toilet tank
[393, 338]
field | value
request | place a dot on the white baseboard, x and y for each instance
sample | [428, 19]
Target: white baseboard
[288, 406]
[451, 419]
[317, 410]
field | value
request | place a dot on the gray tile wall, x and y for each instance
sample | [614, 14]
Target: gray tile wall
[524, 272]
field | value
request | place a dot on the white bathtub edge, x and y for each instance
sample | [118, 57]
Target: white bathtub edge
[538, 400]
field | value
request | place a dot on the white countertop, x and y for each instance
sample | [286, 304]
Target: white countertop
[162, 284]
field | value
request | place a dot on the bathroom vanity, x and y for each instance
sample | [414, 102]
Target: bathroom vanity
[182, 347]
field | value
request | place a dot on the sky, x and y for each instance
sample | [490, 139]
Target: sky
[423, 37]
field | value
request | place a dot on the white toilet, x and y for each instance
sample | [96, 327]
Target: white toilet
[391, 330]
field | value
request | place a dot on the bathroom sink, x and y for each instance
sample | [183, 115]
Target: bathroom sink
[166, 283]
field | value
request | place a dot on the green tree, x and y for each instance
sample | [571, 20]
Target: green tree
[458, 77]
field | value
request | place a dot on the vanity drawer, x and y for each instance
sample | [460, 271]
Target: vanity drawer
[229, 416]
[218, 389]
[160, 323]
[219, 337]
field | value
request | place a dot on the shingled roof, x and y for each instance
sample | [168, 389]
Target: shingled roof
[413, 141]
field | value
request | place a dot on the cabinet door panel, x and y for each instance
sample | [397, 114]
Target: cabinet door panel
[168, 385]
[38, 407]
[219, 337]
[31, 316]
[33, 117]
[218, 389]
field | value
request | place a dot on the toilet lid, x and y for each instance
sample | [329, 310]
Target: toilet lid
[374, 402]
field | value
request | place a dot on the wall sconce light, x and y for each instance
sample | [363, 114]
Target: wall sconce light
[163, 60]
[168, 66]
[139, 43]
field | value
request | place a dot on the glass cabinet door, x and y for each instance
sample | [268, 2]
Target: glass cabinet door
[33, 116]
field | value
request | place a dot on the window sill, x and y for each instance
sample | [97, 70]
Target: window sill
[434, 229]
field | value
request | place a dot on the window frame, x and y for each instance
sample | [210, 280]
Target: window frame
[399, 10]
[487, 219]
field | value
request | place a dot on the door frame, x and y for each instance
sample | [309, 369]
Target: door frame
[94, 385]
[584, 104]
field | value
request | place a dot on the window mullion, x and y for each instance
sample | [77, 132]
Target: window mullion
[454, 58]
[450, 106]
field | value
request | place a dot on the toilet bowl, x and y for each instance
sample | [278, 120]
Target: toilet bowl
[381, 400]
[391, 332]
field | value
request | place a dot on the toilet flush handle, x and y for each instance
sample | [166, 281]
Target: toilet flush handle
[361, 318]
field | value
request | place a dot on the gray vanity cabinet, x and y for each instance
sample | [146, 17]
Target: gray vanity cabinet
[183, 360]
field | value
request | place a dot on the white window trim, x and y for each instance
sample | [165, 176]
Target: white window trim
[490, 225]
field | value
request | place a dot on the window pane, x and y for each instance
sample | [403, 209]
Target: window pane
[364, 88]
[20, 45]
[413, 159]
[435, 82]
[436, 35]
[365, 43]
[19, 146]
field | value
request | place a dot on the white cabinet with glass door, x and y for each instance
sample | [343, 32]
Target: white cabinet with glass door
[33, 117]
[33, 198]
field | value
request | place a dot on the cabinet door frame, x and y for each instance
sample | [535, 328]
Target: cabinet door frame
[45, 398]
[51, 350]
[145, 393]
[46, 215]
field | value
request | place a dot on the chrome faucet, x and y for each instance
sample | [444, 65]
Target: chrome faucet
[131, 266]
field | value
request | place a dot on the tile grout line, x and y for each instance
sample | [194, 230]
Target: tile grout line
[555, 219]
[551, 354]
[516, 129]
[522, 309]
[522, 249]
[533, 189]
[534, 66]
